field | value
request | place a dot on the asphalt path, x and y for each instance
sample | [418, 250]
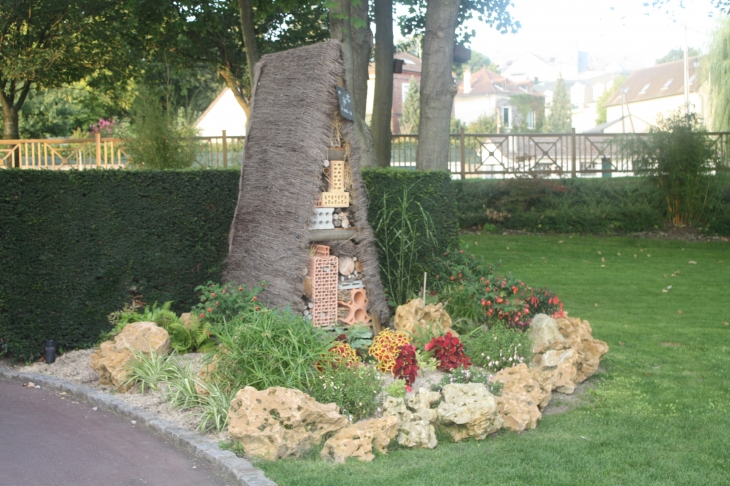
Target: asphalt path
[47, 438]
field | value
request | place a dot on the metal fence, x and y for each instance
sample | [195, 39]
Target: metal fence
[470, 155]
[550, 155]
[107, 153]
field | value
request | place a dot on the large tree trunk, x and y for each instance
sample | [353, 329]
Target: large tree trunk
[437, 85]
[356, 45]
[11, 109]
[383, 98]
[249, 36]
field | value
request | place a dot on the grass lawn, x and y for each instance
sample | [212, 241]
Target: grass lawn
[659, 411]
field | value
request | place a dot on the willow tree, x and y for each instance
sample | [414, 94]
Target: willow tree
[717, 75]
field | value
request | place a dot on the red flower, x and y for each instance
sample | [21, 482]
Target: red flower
[255, 299]
[202, 315]
[210, 310]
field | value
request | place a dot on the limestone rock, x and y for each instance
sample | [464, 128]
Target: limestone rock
[468, 411]
[521, 379]
[525, 392]
[414, 315]
[280, 422]
[579, 336]
[543, 331]
[358, 440]
[111, 360]
[561, 363]
[414, 429]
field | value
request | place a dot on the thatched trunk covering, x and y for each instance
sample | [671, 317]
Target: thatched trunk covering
[294, 119]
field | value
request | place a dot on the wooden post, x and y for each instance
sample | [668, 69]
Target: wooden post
[225, 150]
[572, 152]
[98, 149]
[463, 153]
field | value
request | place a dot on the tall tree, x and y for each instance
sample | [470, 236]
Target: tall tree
[228, 36]
[383, 96]
[439, 19]
[560, 118]
[601, 111]
[678, 55]
[717, 75]
[349, 24]
[50, 43]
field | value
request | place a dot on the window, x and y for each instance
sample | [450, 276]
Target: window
[531, 119]
[506, 118]
[643, 90]
[668, 83]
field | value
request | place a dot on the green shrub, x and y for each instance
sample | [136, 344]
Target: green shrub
[222, 303]
[499, 347]
[679, 157]
[397, 389]
[183, 338]
[159, 136]
[268, 348]
[355, 389]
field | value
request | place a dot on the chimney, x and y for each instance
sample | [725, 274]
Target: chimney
[467, 80]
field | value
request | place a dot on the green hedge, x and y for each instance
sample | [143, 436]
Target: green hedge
[561, 206]
[75, 243]
[433, 190]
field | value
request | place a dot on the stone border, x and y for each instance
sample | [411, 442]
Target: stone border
[226, 463]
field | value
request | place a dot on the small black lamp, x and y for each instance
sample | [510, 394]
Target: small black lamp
[50, 351]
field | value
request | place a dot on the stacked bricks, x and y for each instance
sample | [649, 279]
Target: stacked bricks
[322, 271]
[335, 197]
[356, 308]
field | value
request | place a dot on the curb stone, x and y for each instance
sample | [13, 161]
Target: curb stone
[234, 468]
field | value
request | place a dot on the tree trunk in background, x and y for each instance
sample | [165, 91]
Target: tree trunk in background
[437, 85]
[249, 36]
[383, 98]
[356, 44]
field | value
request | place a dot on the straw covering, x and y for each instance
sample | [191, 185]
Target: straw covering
[294, 120]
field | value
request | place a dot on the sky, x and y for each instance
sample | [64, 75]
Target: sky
[551, 28]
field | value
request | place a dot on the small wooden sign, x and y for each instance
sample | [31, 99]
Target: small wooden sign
[346, 109]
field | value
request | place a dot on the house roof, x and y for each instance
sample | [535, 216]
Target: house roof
[485, 82]
[657, 82]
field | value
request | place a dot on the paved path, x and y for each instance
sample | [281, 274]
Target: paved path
[50, 439]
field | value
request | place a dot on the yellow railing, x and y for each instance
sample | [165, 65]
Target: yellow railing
[106, 153]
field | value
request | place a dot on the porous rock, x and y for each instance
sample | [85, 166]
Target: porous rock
[415, 318]
[561, 363]
[280, 422]
[111, 360]
[525, 393]
[358, 440]
[543, 331]
[468, 411]
[415, 429]
[579, 336]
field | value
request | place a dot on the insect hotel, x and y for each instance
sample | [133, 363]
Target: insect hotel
[301, 218]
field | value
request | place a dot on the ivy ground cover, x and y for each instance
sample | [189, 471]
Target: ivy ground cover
[657, 413]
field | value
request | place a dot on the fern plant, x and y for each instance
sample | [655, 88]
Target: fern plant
[183, 339]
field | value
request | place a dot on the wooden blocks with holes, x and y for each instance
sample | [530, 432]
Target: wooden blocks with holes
[322, 272]
[353, 309]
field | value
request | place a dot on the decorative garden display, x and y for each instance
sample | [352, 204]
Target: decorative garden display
[301, 219]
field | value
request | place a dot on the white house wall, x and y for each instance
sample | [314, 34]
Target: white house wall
[223, 114]
[469, 108]
[649, 110]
